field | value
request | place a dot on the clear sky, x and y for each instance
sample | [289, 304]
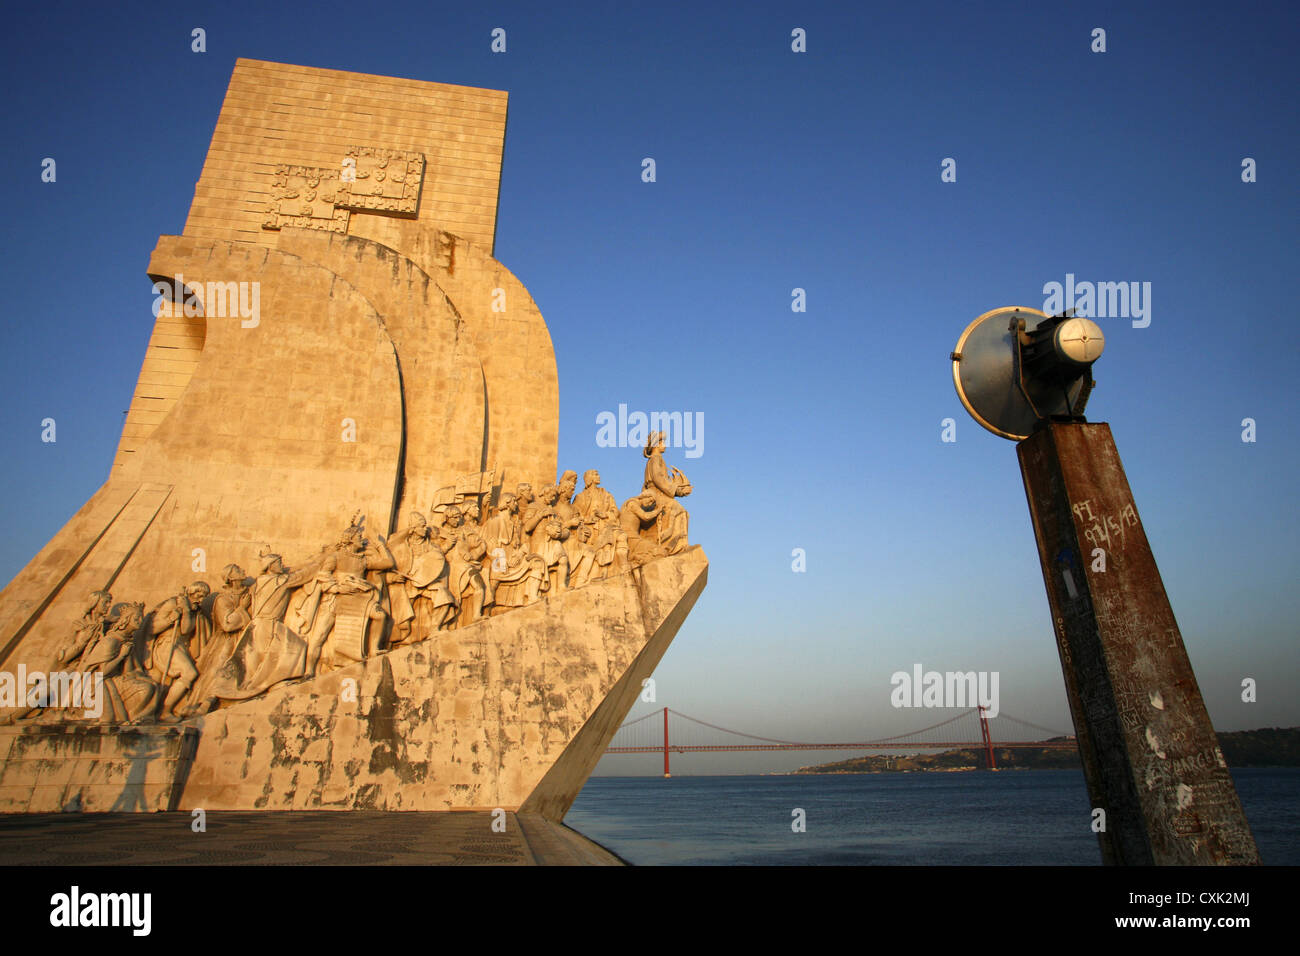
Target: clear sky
[775, 170]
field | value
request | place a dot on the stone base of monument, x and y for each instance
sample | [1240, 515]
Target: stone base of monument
[510, 713]
[93, 767]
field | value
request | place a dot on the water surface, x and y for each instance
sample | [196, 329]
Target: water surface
[1033, 817]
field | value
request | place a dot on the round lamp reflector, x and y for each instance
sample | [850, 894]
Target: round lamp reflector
[984, 371]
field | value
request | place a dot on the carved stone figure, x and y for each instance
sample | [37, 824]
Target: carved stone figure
[176, 625]
[550, 549]
[525, 496]
[667, 485]
[501, 531]
[534, 519]
[465, 550]
[418, 591]
[472, 513]
[593, 497]
[582, 560]
[339, 605]
[517, 576]
[231, 613]
[130, 696]
[639, 518]
[608, 542]
[269, 651]
[87, 631]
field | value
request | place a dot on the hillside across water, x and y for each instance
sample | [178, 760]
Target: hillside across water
[1265, 747]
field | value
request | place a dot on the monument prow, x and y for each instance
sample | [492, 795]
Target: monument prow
[333, 337]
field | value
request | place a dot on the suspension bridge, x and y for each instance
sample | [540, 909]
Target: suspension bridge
[968, 729]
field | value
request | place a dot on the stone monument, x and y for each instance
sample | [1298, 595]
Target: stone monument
[318, 575]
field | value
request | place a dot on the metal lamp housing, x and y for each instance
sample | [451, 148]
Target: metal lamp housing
[1015, 367]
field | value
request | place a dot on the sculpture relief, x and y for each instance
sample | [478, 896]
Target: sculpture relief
[177, 625]
[517, 575]
[89, 627]
[667, 485]
[305, 197]
[593, 497]
[581, 557]
[418, 584]
[229, 615]
[608, 542]
[639, 520]
[339, 604]
[367, 179]
[198, 650]
[130, 695]
[268, 651]
[465, 551]
[386, 180]
[546, 534]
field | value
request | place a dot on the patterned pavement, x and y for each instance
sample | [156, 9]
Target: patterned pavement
[292, 838]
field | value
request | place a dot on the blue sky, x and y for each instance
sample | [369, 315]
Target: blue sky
[775, 170]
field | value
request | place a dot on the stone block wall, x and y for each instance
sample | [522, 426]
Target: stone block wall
[47, 768]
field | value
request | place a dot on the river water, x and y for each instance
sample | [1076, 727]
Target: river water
[1011, 817]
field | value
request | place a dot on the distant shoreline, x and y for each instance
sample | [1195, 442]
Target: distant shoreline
[1265, 747]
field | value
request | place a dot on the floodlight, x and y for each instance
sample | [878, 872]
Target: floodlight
[1015, 367]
